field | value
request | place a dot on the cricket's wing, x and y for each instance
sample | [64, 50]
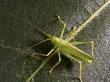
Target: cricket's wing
[76, 53]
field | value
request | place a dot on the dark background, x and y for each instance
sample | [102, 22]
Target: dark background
[15, 32]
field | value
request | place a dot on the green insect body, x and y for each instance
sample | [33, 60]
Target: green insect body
[68, 49]
[65, 46]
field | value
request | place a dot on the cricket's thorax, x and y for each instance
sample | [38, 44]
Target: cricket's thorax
[59, 42]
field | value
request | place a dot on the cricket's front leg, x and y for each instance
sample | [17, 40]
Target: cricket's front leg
[56, 63]
[63, 28]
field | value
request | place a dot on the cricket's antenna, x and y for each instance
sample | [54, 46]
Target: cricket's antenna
[93, 16]
[33, 26]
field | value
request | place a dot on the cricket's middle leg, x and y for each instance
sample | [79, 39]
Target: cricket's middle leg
[56, 63]
[90, 42]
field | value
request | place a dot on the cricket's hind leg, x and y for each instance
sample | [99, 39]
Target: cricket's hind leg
[56, 63]
[20, 51]
[34, 54]
[80, 74]
[80, 69]
[44, 54]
